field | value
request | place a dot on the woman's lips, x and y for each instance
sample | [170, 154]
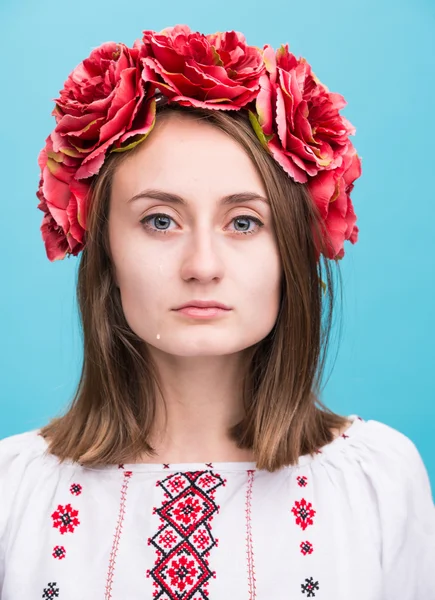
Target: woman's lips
[203, 313]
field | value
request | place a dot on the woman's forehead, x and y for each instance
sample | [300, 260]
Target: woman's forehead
[187, 157]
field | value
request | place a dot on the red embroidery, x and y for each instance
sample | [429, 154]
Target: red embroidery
[65, 518]
[117, 536]
[306, 548]
[304, 513]
[250, 551]
[59, 552]
[302, 481]
[76, 489]
[176, 484]
[183, 541]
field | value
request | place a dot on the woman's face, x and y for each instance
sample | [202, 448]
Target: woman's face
[202, 247]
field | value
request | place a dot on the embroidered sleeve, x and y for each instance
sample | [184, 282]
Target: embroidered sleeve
[14, 455]
[407, 514]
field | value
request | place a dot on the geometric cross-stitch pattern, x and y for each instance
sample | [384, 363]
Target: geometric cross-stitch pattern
[59, 552]
[306, 548]
[51, 591]
[127, 475]
[184, 537]
[65, 518]
[309, 586]
[304, 513]
[76, 489]
[252, 591]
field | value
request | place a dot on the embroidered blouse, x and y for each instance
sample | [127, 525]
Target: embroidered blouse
[354, 521]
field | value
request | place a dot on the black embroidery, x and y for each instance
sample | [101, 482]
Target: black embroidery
[51, 591]
[184, 537]
[309, 586]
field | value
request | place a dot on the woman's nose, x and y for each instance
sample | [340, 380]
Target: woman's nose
[202, 255]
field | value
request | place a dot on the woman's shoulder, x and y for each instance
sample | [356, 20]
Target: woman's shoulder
[20, 455]
[373, 442]
[374, 454]
[378, 462]
[21, 446]
[387, 464]
[376, 446]
[21, 465]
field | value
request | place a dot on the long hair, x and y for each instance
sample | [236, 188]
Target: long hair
[111, 415]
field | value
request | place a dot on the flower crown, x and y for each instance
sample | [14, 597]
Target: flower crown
[108, 104]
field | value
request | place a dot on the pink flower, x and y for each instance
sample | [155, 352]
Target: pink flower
[301, 117]
[330, 191]
[212, 71]
[298, 120]
[62, 199]
[102, 104]
[103, 107]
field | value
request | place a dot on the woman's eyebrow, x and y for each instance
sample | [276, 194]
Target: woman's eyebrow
[175, 199]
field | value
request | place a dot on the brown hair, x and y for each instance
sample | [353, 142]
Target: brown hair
[111, 415]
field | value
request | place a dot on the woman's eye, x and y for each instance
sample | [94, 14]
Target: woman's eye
[159, 222]
[243, 220]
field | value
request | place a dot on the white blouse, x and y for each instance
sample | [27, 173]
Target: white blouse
[356, 521]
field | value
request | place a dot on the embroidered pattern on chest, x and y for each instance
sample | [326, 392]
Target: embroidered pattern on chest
[127, 475]
[184, 537]
[51, 591]
[304, 513]
[252, 584]
[309, 587]
[65, 518]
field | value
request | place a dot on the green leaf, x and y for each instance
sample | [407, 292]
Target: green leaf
[264, 139]
[70, 152]
[216, 58]
[137, 139]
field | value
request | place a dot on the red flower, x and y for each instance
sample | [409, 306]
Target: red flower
[330, 191]
[304, 513]
[298, 120]
[301, 117]
[187, 511]
[76, 489]
[102, 104]
[65, 518]
[59, 552]
[306, 548]
[102, 108]
[214, 71]
[62, 199]
[182, 573]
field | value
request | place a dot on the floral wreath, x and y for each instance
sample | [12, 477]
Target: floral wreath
[108, 104]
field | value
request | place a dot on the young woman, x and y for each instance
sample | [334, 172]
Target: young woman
[208, 185]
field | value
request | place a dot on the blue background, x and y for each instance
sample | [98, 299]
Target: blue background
[380, 55]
